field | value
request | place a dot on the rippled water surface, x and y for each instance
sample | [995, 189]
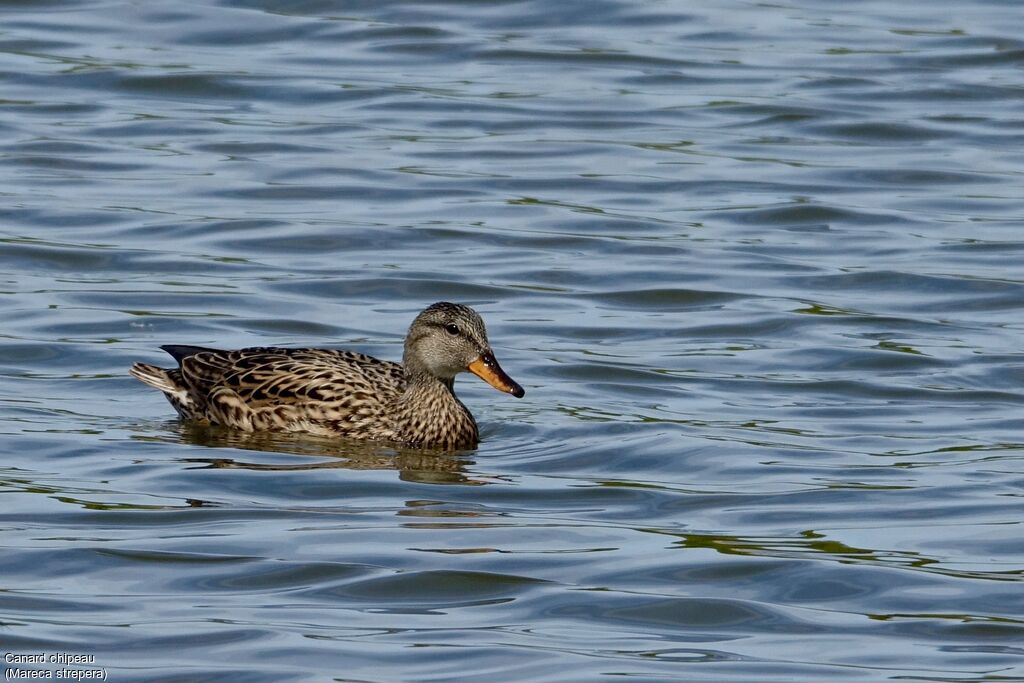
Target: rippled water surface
[758, 267]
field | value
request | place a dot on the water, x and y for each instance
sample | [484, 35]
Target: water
[758, 267]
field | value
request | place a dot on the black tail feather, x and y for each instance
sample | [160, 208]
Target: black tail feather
[182, 351]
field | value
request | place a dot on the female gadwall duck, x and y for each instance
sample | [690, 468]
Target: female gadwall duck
[341, 393]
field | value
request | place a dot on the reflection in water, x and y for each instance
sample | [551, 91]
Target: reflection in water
[814, 543]
[419, 465]
[13, 481]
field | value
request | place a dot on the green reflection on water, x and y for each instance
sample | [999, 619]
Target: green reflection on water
[815, 543]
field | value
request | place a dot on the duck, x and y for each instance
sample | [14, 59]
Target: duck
[340, 393]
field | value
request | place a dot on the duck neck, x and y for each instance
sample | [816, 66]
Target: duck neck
[430, 415]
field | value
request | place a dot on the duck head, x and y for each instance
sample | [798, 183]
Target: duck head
[446, 339]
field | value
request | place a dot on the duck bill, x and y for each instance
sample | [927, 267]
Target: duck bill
[486, 368]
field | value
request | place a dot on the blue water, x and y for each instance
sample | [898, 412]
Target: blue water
[758, 267]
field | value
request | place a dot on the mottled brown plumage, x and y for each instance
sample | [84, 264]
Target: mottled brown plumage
[341, 393]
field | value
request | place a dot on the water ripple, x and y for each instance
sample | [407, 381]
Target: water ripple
[757, 267]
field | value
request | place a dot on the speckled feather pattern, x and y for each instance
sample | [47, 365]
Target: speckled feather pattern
[331, 392]
[320, 391]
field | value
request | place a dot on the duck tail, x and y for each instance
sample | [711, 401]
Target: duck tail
[169, 382]
[155, 377]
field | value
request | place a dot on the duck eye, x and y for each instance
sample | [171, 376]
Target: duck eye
[452, 329]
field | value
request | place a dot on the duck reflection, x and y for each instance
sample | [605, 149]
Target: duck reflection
[413, 464]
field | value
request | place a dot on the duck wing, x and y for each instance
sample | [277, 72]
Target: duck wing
[317, 390]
